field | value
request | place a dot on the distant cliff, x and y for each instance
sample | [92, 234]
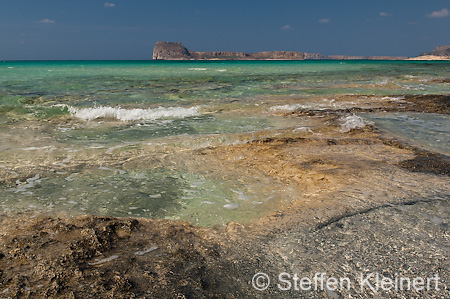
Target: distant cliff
[167, 50]
[176, 51]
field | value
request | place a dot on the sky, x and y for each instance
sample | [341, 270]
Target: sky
[128, 29]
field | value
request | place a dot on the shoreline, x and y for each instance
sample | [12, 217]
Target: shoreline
[418, 58]
[386, 198]
[430, 57]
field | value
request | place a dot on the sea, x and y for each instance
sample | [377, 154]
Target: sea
[116, 137]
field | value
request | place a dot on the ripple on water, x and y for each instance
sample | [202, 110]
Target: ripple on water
[159, 193]
[427, 130]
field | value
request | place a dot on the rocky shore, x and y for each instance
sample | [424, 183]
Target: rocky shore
[370, 204]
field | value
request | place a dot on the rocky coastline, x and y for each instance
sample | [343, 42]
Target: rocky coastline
[176, 51]
[370, 204]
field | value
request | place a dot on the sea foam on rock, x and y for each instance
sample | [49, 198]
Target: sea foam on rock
[133, 114]
[353, 122]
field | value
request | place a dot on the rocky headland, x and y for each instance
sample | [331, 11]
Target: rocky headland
[176, 51]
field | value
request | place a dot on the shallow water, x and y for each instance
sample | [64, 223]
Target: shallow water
[76, 124]
[157, 193]
[427, 130]
[152, 83]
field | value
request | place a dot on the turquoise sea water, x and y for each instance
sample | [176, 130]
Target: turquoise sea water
[149, 83]
[80, 123]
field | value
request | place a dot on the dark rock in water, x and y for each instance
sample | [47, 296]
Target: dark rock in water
[428, 163]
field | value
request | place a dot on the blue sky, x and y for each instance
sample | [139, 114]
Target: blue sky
[128, 29]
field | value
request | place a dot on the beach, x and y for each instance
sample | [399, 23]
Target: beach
[430, 57]
[187, 179]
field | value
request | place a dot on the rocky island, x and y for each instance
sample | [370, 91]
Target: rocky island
[176, 51]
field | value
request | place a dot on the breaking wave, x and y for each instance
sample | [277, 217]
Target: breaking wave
[287, 108]
[353, 122]
[133, 114]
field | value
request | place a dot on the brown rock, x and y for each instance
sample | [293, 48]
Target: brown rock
[176, 51]
[170, 50]
[440, 51]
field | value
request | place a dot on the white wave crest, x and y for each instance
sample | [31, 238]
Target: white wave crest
[325, 104]
[393, 98]
[287, 108]
[133, 114]
[353, 122]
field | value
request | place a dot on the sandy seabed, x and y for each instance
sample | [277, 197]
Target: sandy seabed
[370, 204]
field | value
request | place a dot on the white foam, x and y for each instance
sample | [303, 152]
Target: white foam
[287, 108]
[33, 148]
[197, 69]
[133, 114]
[353, 122]
[231, 206]
[303, 129]
[393, 98]
[325, 104]
[30, 183]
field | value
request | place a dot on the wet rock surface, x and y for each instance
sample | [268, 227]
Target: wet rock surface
[112, 258]
[428, 162]
[367, 204]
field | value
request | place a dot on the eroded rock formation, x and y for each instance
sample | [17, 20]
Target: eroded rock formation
[176, 51]
[168, 50]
